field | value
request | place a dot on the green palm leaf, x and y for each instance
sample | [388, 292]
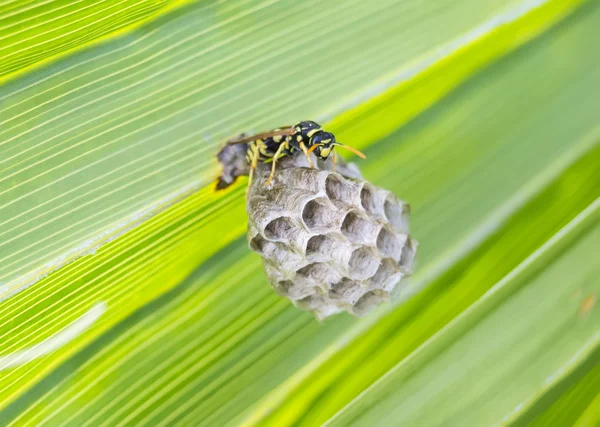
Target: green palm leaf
[128, 295]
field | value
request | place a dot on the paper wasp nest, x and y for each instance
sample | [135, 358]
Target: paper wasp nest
[330, 242]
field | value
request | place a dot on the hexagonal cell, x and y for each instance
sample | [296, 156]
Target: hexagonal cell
[319, 305]
[389, 244]
[320, 273]
[282, 256]
[263, 211]
[328, 247]
[368, 199]
[363, 263]
[310, 302]
[317, 215]
[346, 290]
[367, 303]
[386, 277]
[282, 229]
[273, 273]
[334, 187]
[357, 229]
[337, 188]
[257, 243]
[299, 177]
[408, 253]
[396, 213]
[315, 243]
[292, 290]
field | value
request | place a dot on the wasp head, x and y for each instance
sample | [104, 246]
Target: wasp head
[322, 144]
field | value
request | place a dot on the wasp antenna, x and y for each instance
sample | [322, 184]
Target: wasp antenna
[352, 149]
[312, 148]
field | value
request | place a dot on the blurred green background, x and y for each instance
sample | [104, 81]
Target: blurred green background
[128, 295]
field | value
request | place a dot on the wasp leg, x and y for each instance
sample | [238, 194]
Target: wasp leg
[253, 165]
[334, 161]
[307, 154]
[275, 157]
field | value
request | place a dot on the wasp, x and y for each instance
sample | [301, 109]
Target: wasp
[305, 136]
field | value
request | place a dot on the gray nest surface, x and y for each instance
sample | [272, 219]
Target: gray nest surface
[330, 241]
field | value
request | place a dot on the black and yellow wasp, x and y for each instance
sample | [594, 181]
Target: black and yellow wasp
[304, 136]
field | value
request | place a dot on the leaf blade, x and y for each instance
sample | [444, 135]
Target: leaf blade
[474, 407]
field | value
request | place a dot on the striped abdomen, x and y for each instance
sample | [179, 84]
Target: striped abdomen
[268, 147]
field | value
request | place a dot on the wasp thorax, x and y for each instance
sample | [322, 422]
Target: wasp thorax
[330, 242]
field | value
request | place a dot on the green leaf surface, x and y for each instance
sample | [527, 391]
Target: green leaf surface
[496, 358]
[396, 335]
[215, 343]
[129, 294]
[578, 402]
[93, 143]
[33, 33]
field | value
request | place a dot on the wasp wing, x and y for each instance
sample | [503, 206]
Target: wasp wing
[283, 132]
